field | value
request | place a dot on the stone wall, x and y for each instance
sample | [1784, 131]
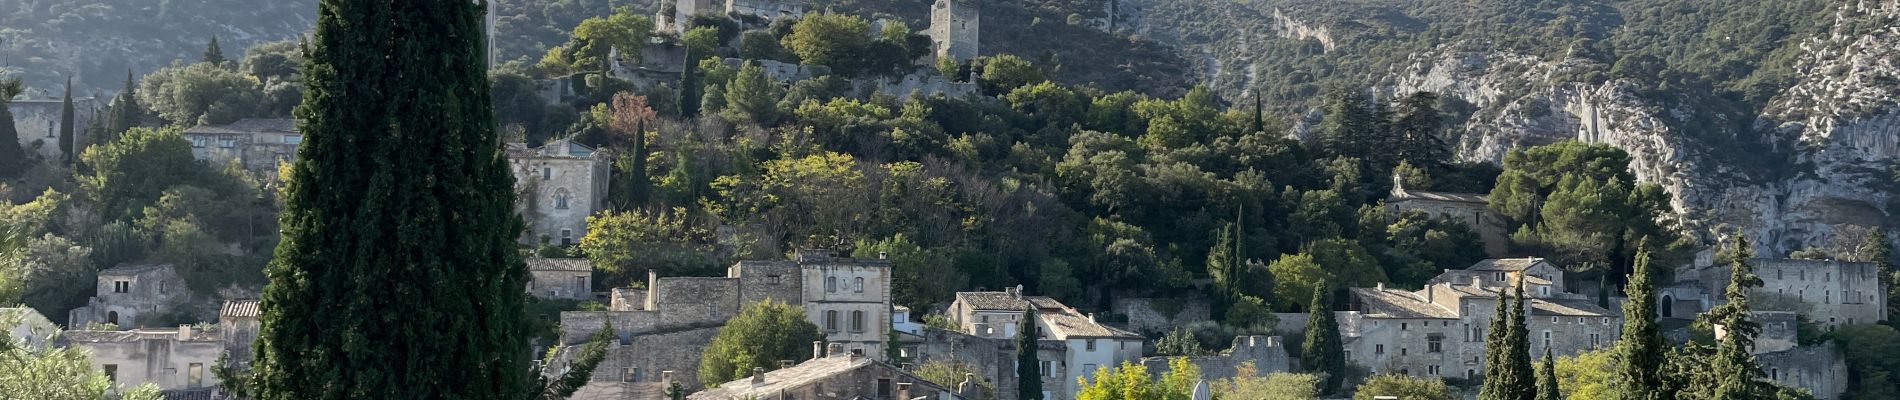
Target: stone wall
[1821, 369]
[1831, 293]
[149, 291]
[37, 122]
[954, 26]
[1266, 353]
[1150, 316]
[555, 195]
[993, 359]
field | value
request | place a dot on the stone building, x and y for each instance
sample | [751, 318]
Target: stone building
[560, 278]
[239, 324]
[954, 28]
[1821, 368]
[1074, 345]
[258, 145]
[833, 374]
[128, 295]
[1471, 209]
[1439, 331]
[666, 326]
[1267, 354]
[173, 358]
[763, 10]
[992, 359]
[557, 186]
[37, 122]
[1829, 292]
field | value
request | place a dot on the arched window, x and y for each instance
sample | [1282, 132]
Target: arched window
[112, 317]
[1668, 309]
[560, 199]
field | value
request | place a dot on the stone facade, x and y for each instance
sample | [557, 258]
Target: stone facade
[923, 82]
[993, 359]
[954, 26]
[173, 359]
[560, 278]
[557, 186]
[1821, 369]
[256, 144]
[684, 10]
[1266, 353]
[129, 294]
[37, 121]
[239, 324]
[1072, 346]
[1471, 209]
[1829, 292]
[667, 326]
[1160, 315]
[1439, 331]
[836, 374]
[766, 9]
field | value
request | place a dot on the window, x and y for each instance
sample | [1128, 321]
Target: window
[199, 141]
[884, 389]
[112, 372]
[1403, 351]
[1089, 344]
[1433, 369]
[1471, 374]
[831, 286]
[1378, 349]
[1774, 373]
[112, 317]
[293, 139]
[1403, 326]
[857, 321]
[629, 374]
[1554, 320]
[1593, 340]
[1543, 290]
[858, 285]
[772, 279]
[195, 375]
[1500, 277]
[831, 321]
[121, 286]
[227, 143]
[1467, 331]
[580, 284]
[1546, 339]
[1046, 366]
[1435, 344]
[547, 173]
[567, 237]
[560, 199]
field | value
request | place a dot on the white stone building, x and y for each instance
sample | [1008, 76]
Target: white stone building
[560, 278]
[173, 358]
[1470, 209]
[259, 145]
[1829, 292]
[129, 294]
[557, 186]
[1072, 345]
[37, 122]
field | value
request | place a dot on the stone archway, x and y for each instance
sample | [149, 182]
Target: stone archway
[1668, 306]
[112, 317]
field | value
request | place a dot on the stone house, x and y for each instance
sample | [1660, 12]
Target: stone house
[1072, 345]
[557, 186]
[1471, 209]
[128, 295]
[173, 359]
[1821, 368]
[1439, 331]
[991, 359]
[560, 278]
[258, 145]
[1829, 292]
[954, 28]
[834, 374]
[239, 323]
[37, 122]
[666, 326]
[27, 325]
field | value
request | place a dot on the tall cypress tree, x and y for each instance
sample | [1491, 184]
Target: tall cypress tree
[1547, 379]
[1640, 352]
[1519, 356]
[123, 113]
[1732, 371]
[12, 156]
[1507, 363]
[67, 150]
[1028, 364]
[397, 276]
[1323, 352]
[214, 54]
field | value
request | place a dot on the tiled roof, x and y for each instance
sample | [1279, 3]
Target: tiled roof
[805, 374]
[1399, 304]
[242, 308]
[609, 390]
[1438, 196]
[247, 126]
[134, 269]
[562, 148]
[1568, 308]
[1505, 264]
[992, 301]
[559, 264]
[189, 394]
[1072, 325]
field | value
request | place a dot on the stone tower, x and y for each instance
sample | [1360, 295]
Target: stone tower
[953, 28]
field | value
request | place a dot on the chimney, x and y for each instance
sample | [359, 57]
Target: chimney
[1091, 318]
[884, 255]
[834, 350]
[783, 364]
[817, 349]
[666, 378]
[903, 391]
[1477, 281]
[184, 333]
[1431, 296]
[758, 376]
[653, 290]
[1381, 286]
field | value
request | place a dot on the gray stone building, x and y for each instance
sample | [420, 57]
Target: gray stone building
[765, 10]
[1820, 368]
[833, 374]
[173, 358]
[1073, 346]
[560, 278]
[557, 186]
[239, 323]
[1471, 209]
[258, 145]
[1267, 354]
[1439, 331]
[37, 122]
[954, 28]
[1829, 292]
[666, 326]
[129, 294]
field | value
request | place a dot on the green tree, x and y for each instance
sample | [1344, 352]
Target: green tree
[200, 94]
[1005, 72]
[1223, 268]
[46, 372]
[1589, 375]
[622, 245]
[1323, 353]
[1296, 276]
[1547, 386]
[1248, 384]
[752, 96]
[124, 112]
[1403, 387]
[398, 168]
[1028, 366]
[1348, 127]
[213, 54]
[762, 333]
[1640, 350]
[578, 372]
[67, 151]
[1731, 371]
[132, 171]
[1508, 374]
[13, 158]
[835, 40]
[919, 277]
[629, 119]
[1878, 251]
[1417, 132]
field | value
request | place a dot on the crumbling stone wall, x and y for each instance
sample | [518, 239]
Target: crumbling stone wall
[1820, 369]
[1150, 316]
[1267, 353]
[37, 121]
[993, 359]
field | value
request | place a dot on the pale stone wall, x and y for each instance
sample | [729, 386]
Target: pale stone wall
[1832, 293]
[954, 26]
[993, 359]
[37, 122]
[542, 182]
[838, 293]
[1495, 236]
[1266, 353]
[148, 292]
[1148, 315]
[162, 359]
[1821, 369]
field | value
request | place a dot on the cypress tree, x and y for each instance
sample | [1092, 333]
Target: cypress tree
[690, 87]
[1416, 131]
[397, 275]
[1323, 352]
[1222, 269]
[1028, 365]
[1640, 351]
[12, 156]
[214, 54]
[1547, 379]
[1259, 114]
[1732, 371]
[1519, 356]
[1508, 373]
[123, 113]
[67, 150]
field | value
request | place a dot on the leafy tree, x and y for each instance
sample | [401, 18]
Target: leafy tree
[1248, 384]
[1348, 263]
[577, 372]
[277, 68]
[13, 158]
[46, 372]
[919, 276]
[200, 94]
[1639, 352]
[1132, 382]
[1417, 132]
[1323, 352]
[1403, 387]
[132, 171]
[213, 54]
[1547, 386]
[1179, 342]
[762, 333]
[1349, 128]
[625, 244]
[1295, 275]
[1028, 366]
[752, 96]
[594, 39]
[1877, 250]
[628, 121]
[67, 151]
[1873, 358]
[123, 114]
[948, 373]
[147, 391]
[1589, 375]
[1731, 371]
[1004, 73]
[399, 159]
[839, 41]
[49, 273]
